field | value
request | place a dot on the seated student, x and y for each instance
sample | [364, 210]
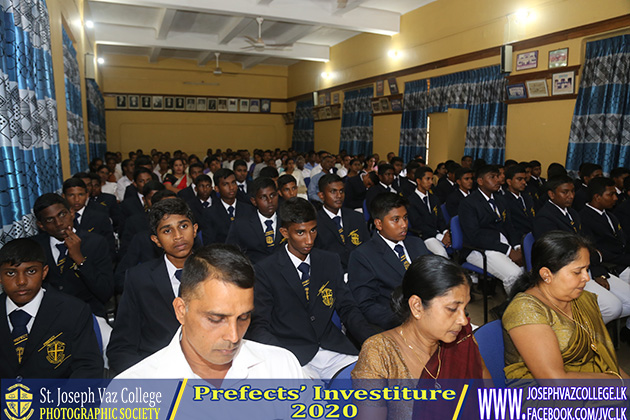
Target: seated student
[133, 203]
[339, 230]
[356, 189]
[385, 178]
[520, 204]
[287, 187]
[486, 223]
[447, 184]
[135, 187]
[257, 233]
[377, 267]
[200, 205]
[127, 167]
[618, 175]
[297, 291]
[78, 265]
[536, 182]
[603, 228]
[464, 181]
[622, 211]
[398, 164]
[588, 171]
[139, 222]
[104, 202]
[269, 172]
[226, 209]
[425, 215]
[43, 333]
[240, 172]
[328, 162]
[188, 193]
[217, 289]
[146, 321]
[104, 176]
[88, 218]
[613, 295]
[408, 183]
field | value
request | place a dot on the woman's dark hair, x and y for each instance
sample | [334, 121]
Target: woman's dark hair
[428, 277]
[554, 250]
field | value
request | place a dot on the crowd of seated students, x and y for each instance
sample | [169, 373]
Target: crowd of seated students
[328, 239]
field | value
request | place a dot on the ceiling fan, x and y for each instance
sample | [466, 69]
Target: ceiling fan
[218, 71]
[258, 44]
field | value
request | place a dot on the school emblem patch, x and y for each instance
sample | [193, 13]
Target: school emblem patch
[354, 238]
[327, 295]
[18, 400]
[55, 352]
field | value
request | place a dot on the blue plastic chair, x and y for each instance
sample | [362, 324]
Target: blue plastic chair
[447, 216]
[97, 332]
[457, 243]
[528, 243]
[490, 340]
[336, 320]
[307, 181]
[342, 379]
[366, 213]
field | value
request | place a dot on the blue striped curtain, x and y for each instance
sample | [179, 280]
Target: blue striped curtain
[413, 125]
[29, 141]
[96, 120]
[303, 127]
[76, 135]
[600, 130]
[482, 93]
[356, 122]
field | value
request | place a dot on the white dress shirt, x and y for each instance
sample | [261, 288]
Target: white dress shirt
[393, 244]
[171, 269]
[30, 308]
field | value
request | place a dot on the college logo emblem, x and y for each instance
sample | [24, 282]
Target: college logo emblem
[55, 352]
[18, 400]
[327, 295]
[354, 238]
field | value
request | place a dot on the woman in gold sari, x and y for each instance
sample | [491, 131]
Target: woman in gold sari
[553, 328]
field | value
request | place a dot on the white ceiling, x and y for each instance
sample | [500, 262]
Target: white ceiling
[196, 29]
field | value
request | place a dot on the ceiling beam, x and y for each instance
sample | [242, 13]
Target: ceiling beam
[144, 37]
[360, 19]
[250, 62]
[295, 33]
[232, 29]
[348, 6]
[154, 54]
[264, 2]
[164, 23]
[204, 57]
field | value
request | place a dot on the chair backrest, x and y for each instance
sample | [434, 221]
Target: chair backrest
[490, 340]
[366, 213]
[342, 379]
[528, 243]
[200, 237]
[97, 332]
[457, 236]
[447, 216]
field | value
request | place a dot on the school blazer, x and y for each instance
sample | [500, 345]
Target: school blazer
[284, 317]
[98, 222]
[219, 222]
[482, 227]
[146, 321]
[452, 202]
[108, 203]
[247, 233]
[622, 211]
[374, 271]
[522, 218]
[373, 192]
[612, 245]
[427, 224]
[355, 192]
[93, 283]
[549, 218]
[355, 233]
[187, 193]
[444, 188]
[61, 343]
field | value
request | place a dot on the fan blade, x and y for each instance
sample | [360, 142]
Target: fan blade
[250, 39]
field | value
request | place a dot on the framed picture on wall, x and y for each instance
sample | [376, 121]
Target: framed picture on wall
[537, 88]
[145, 102]
[380, 87]
[212, 104]
[528, 60]
[335, 111]
[563, 83]
[265, 105]
[169, 102]
[202, 104]
[222, 104]
[191, 104]
[134, 102]
[121, 101]
[232, 104]
[516, 91]
[243, 105]
[179, 103]
[376, 106]
[335, 98]
[385, 105]
[559, 58]
[254, 105]
[157, 102]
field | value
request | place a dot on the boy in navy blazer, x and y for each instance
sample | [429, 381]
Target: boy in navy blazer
[258, 233]
[43, 333]
[297, 291]
[486, 224]
[226, 208]
[201, 204]
[190, 191]
[377, 267]
[339, 230]
[464, 180]
[356, 189]
[520, 204]
[385, 177]
[146, 320]
[425, 215]
[243, 185]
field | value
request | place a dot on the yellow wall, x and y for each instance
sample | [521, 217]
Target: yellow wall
[191, 131]
[447, 135]
[70, 14]
[448, 28]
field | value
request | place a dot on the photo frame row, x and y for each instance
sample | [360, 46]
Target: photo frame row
[529, 60]
[326, 113]
[384, 105]
[191, 103]
[561, 84]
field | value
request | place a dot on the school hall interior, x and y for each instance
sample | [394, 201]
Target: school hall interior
[280, 74]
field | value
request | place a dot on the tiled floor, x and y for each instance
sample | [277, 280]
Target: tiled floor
[475, 309]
